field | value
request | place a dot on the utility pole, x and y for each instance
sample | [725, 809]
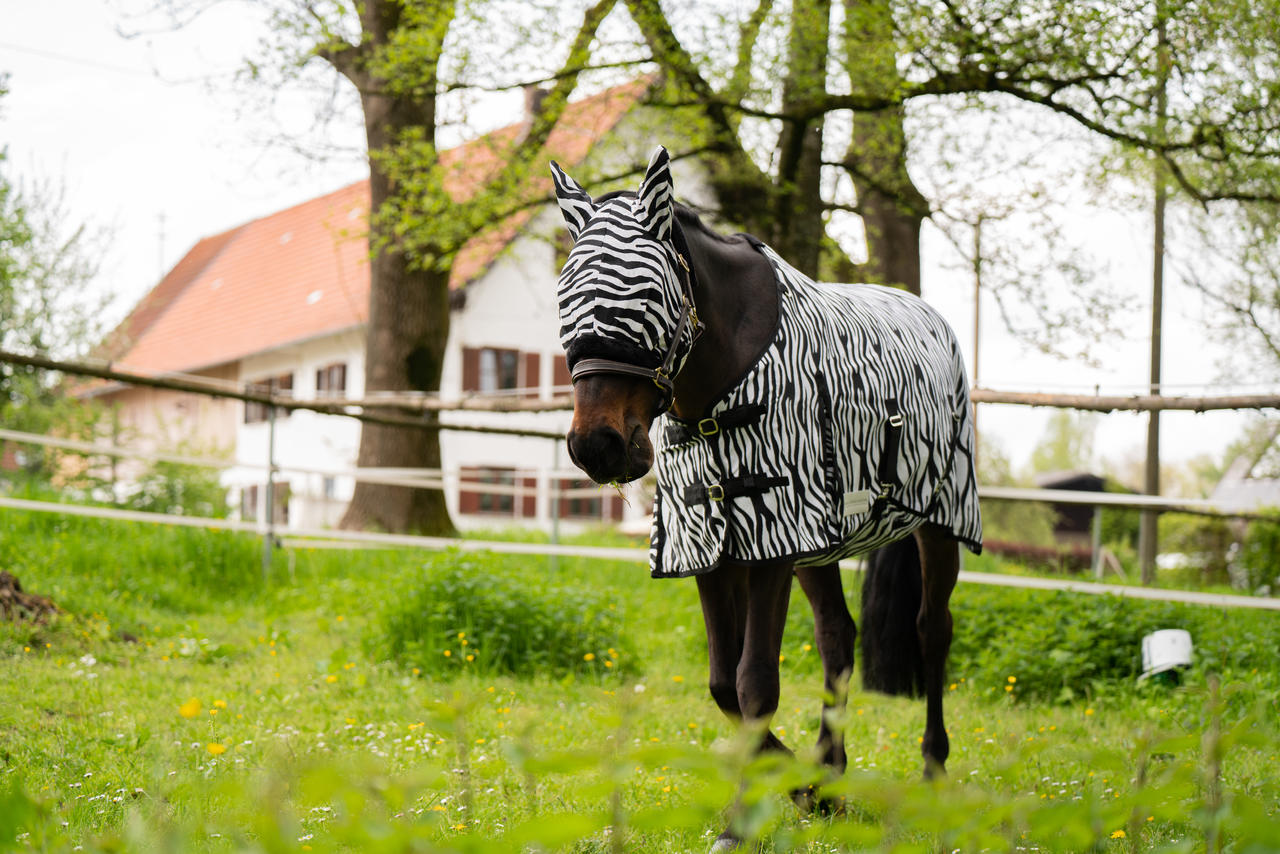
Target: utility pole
[977, 323]
[1148, 537]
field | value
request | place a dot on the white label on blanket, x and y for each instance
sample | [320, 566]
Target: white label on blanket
[857, 503]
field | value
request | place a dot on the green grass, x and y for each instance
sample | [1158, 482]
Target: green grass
[303, 733]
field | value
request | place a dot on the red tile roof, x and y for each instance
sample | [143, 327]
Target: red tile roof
[304, 272]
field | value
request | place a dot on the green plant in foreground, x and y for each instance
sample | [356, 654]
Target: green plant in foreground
[476, 612]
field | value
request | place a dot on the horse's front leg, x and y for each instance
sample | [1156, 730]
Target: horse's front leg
[745, 611]
[939, 568]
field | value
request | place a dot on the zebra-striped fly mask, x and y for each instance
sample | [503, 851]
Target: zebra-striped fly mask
[625, 293]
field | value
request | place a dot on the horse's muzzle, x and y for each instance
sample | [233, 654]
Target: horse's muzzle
[607, 457]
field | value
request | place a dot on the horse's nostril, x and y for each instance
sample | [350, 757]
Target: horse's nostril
[601, 453]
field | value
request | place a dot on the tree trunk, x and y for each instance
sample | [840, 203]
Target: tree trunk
[891, 206]
[797, 212]
[408, 327]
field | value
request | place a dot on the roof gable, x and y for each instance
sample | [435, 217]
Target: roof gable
[304, 271]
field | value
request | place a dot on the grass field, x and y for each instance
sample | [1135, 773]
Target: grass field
[183, 703]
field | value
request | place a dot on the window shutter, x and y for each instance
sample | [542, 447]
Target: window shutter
[613, 508]
[470, 369]
[560, 372]
[532, 374]
[468, 497]
[528, 503]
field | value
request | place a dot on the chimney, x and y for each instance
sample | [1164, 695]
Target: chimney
[534, 95]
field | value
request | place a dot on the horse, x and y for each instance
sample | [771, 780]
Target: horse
[798, 424]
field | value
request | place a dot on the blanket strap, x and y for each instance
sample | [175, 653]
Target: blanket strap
[887, 473]
[734, 487]
[679, 432]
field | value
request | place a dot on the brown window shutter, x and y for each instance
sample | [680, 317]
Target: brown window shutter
[529, 501]
[560, 372]
[613, 508]
[468, 497]
[532, 374]
[470, 369]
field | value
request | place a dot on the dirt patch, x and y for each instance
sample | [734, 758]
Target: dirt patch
[16, 604]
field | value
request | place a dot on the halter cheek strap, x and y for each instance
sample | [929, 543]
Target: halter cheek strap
[662, 375]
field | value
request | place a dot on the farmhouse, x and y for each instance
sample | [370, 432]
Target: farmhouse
[281, 303]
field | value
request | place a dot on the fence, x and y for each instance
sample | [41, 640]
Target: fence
[427, 408]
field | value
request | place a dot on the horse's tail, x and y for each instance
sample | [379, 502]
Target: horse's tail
[892, 662]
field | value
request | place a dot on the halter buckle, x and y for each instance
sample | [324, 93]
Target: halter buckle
[661, 379]
[711, 430]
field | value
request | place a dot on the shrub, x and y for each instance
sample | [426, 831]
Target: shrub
[1064, 646]
[495, 615]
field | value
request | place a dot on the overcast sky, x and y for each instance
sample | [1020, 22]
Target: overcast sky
[152, 139]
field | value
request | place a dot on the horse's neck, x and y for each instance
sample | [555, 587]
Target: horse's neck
[737, 301]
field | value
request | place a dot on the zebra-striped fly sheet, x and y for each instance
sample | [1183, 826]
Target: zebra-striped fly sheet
[852, 428]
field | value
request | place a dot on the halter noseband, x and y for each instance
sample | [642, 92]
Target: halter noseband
[662, 375]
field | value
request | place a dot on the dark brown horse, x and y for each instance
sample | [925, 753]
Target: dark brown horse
[723, 313]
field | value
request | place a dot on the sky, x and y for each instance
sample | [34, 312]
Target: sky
[151, 138]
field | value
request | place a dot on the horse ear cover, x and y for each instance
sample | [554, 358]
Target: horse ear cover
[575, 203]
[653, 205]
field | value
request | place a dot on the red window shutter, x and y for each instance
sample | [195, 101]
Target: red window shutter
[560, 372]
[613, 508]
[468, 497]
[532, 374]
[529, 501]
[470, 369]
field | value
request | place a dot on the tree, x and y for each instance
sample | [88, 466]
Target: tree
[404, 60]
[850, 75]
[47, 305]
[1067, 444]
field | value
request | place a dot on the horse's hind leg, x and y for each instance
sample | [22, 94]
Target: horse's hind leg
[939, 567]
[836, 634]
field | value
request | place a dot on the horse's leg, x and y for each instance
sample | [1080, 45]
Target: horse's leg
[769, 594]
[939, 568]
[745, 611]
[834, 630]
[725, 595]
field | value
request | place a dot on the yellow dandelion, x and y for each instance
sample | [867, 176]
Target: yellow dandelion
[953, 686]
[1151, 818]
[608, 664]
[591, 656]
[1119, 834]
[221, 704]
[448, 653]
[416, 671]
[437, 808]
[348, 665]
[470, 657]
[1008, 688]
[461, 635]
[490, 689]
[781, 658]
[808, 647]
[677, 678]
[331, 678]
[215, 749]
[190, 709]
[1088, 712]
[213, 711]
[1013, 679]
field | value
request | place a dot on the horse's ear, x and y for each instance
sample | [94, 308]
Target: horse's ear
[654, 201]
[575, 203]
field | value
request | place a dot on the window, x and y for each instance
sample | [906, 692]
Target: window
[255, 412]
[497, 369]
[473, 498]
[249, 503]
[330, 487]
[331, 380]
[585, 500]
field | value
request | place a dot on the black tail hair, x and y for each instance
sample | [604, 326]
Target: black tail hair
[892, 662]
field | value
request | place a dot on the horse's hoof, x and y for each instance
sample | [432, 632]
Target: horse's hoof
[726, 842]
